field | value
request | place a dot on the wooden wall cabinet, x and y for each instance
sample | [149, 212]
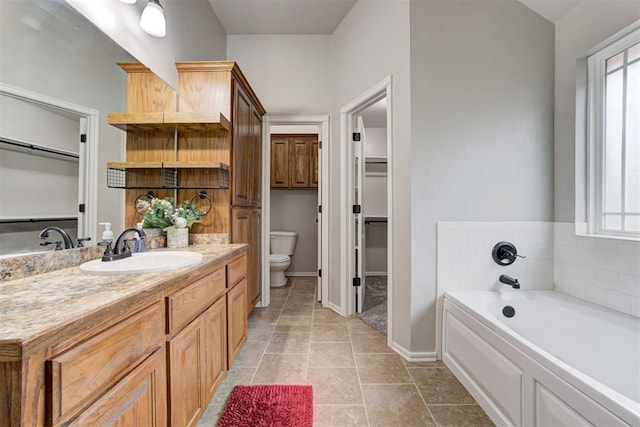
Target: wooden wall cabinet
[214, 117]
[294, 161]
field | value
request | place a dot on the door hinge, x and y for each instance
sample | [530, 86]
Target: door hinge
[320, 209]
[357, 209]
[83, 138]
[320, 145]
[81, 208]
[320, 273]
[356, 281]
[356, 136]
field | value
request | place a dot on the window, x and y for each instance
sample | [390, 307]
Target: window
[614, 138]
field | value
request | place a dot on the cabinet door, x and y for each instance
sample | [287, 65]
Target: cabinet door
[313, 168]
[186, 358]
[256, 158]
[299, 163]
[246, 228]
[241, 147]
[214, 322]
[139, 399]
[237, 317]
[279, 162]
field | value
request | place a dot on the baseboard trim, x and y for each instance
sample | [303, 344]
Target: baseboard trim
[415, 356]
[301, 273]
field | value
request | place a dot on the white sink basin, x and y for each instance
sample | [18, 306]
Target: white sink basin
[144, 262]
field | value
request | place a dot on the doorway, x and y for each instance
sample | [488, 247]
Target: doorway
[50, 169]
[292, 125]
[366, 162]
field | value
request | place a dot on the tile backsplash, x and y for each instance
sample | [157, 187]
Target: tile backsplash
[599, 270]
[464, 255]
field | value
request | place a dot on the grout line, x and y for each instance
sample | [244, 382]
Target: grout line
[353, 354]
[421, 397]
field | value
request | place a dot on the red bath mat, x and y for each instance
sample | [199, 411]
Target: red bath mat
[269, 406]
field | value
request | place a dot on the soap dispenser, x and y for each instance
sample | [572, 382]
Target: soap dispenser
[107, 234]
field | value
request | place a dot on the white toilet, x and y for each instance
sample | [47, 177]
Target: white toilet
[282, 245]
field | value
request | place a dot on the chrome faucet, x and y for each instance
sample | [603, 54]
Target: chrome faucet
[507, 280]
[68, 243]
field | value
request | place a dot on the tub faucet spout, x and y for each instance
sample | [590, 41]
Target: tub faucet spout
[507, 280]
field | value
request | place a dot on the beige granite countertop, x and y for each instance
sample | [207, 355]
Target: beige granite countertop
[33, 308]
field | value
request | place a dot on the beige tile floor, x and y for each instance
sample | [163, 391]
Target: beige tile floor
[357, 380]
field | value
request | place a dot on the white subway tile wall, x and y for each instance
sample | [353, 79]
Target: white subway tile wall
[602, 271]
[465, 262]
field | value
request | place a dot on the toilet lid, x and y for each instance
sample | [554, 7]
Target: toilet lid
[278, 258]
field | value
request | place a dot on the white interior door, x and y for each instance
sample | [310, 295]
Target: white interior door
[319, 218]
[358, 213]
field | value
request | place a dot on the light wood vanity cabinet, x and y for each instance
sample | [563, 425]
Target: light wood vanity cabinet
[294, 161]
[157, 362]
[196, 353]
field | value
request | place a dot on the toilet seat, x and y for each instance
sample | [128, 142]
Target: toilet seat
[278, 258]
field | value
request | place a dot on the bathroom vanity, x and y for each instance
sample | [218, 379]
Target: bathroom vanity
[147, 349]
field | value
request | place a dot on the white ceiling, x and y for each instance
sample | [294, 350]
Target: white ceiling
[281, 16]
[552, 10]
[322, 16]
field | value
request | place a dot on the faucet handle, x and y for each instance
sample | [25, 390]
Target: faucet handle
[82, 239]
[58, 244]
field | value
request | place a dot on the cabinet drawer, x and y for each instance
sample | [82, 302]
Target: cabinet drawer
[236, 270]
[139, 399]
[186, 304]
[75, 377]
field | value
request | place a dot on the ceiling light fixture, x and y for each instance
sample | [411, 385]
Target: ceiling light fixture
[152, 20]
[128, 1]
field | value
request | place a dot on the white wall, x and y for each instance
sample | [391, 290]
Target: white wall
[193, 32]
[290, 74]
[481, 126]
[584, 27]
[371, 43]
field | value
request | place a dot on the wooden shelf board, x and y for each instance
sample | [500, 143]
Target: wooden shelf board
[134, 165]
[197, 121]
[195, 165]
[137, 121]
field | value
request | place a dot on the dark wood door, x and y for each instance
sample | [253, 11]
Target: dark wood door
[241, 148]
[279, 161]
[246, 228]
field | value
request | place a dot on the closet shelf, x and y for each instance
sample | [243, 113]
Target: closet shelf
[168, 175]
[376, 159]
[180, 121]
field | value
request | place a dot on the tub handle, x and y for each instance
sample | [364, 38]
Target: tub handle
[505, 253]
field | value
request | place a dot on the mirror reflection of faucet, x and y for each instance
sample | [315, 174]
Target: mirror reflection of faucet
[68, 243]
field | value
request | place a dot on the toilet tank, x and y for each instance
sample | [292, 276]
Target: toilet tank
[283, 242]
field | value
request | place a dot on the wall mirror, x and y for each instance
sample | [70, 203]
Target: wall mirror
[52, 53]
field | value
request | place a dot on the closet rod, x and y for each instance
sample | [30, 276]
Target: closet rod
[23, 220]
[16, 145]
[369, 221]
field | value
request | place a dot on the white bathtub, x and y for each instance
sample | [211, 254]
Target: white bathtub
[557, 362]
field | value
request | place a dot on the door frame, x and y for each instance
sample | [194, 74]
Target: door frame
[322, 121]
[89, 119]
[348, 113]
